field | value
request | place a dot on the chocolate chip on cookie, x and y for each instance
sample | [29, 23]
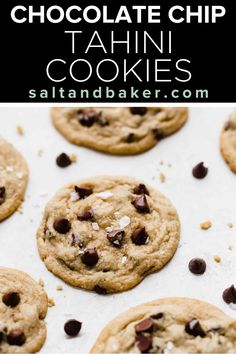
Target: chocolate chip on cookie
[141, 204]
[139, 236]
[63, 160]
[2, 194]
[90, 257]
[62, 225]
[11, 299]
[115, 237]
[194, 328]
[72, 327]
[141, 189]
[86, 215]
[229, 295]
[138, 110]
[16, 337]
[197, 266]
[144, 343]
[87, 119]
[200, 171]
[144, 326]
[157, 316]
[83, 192]
[158, 134]
[99, 290]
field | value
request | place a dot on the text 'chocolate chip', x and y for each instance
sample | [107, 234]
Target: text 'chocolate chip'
[197, 266]
[90, 257]
[11, 299]
[62, 225]
[72, 327]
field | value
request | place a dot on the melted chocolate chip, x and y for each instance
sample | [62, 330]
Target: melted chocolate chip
[11, 299]
[72, 327]
[144, 326]
[99, 290]
[200, 171]
[139, 236]
[197, 266]
[157, 316]
[158, 134]
[115, 237]
[87, 119]
[138, 110]
[16, 337]
[141, 204]
[86, 215]
[141, 189]
[229, 295]
[83, 192]
[144, 343]
[62, 225]
[63, 160]
[90, 257]
[194, 328]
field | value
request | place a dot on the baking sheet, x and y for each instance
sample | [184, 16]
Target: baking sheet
[196, 201]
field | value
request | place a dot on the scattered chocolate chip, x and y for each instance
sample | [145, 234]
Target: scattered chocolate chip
[87, 119]
[197, 266]
[99, 290]
[144, 326]
[16, 337]
[157, 316]
[144, 343]
[158, 134]
[63, 160]
[87, 215]
[115, 237]
[62, 225]
[139, 236]
[200, 171]
[138, 110]
[229, 295]
[90, 257]
[194, 328]
[72, 327]
[11, 299]
[141, 189]
[83, 192]
[141, 204]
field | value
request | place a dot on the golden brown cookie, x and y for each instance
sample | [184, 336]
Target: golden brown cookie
[121, 130]
[228, 141]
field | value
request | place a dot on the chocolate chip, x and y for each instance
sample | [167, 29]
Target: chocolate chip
[144, 343]
[139, 236]
[11, 299]
[16, 337]
[138, 110]
[144, 326]
[87, 119]
[200, 171]
[141, 189]
[197, 266]
[115, 237]
[99, 290]
[86, 215]
[194, 328]
[102, 121]
[90, 257]
[62, 225]
[130, 138]
[83, 192]
[2, 194]
[229, 295]
[72, 327]
[157, 316]
[63, 160]
[141, 204]
[158, 134]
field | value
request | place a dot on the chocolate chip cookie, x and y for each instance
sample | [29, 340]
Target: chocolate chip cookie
[172, 325]
[228, 141]
[107, 233]
[23, 307]
[122, 130]
[13, 179]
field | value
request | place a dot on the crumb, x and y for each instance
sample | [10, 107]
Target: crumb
[20, 130]
[161, 162]
[162, 177]
[59, 288]
[41, 282]
[217, 259]
[40, 152]
[206, 225]
[51, 302]
[230, 225]
[73, 157]
[230, 247]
